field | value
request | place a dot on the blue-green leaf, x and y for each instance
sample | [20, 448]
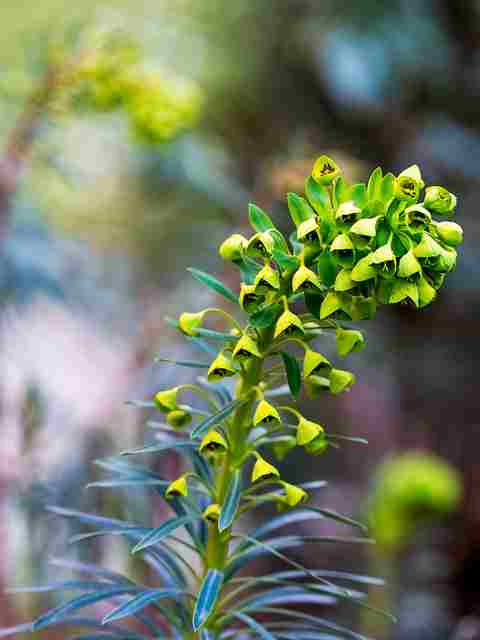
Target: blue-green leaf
[216, 335]
[259, 220]
[207, 597]
[213, 283]
[265, 317]
[139, 602]
[232, 500]
[164, 530]
[193, 364]
[205, 426]
[294, 376]
[285, 260]
[254, 626]
[295, 594]
[158, 447]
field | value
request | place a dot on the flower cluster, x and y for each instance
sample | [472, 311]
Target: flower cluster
[111, 75]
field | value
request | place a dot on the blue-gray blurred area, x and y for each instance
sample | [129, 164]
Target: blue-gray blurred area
[101, 229]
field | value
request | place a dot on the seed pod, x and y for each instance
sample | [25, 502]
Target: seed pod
[317, 446]
[340, 380]
[179, 418]
[233, 247]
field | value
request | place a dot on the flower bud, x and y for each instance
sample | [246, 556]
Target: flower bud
[249, 299]
[282, 446]
[212, 513]
[213, 442]
[404, 291]
[179, 418]
[232, 248]
[343, 251]
[246, 348]
[265, 413]
[260, 245]
[347, 213]
[364, 230]
[325, 170]
[309, 231]
[288, 324]
[267, 279]
[348, 341]
[305, 279]
[220, 368]
[363, 270]
[315, 364]
[384, 261]
[440, 200]
[409, 267]
[446, 261]
[178, 488]
[307, 431]
[166, 400]
[190, 322]
[317, 446]
[450, 232]
[263, 470]
[341, 380]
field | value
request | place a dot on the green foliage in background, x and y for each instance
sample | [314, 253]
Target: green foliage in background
[354, 247]
[409, 489]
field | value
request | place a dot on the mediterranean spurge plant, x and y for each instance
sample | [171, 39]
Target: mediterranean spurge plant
[354, 247]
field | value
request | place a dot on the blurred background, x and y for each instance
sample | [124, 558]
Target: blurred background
[105, 201]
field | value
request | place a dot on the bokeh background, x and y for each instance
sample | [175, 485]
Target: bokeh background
[98, 228]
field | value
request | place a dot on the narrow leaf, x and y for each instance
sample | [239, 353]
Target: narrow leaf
[265, 317]
[294, 377]
[194, 364]
[205, 426]
[139, 602]
[254, 626]
[232, 500]
[207, 597]
[164, 530]
[213, 283]
[158, 447]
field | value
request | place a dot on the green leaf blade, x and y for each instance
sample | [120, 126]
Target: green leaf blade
[212, 283]
[294, 376]
[232, 500]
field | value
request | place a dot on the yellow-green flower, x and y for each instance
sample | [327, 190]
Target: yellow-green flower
[265, 413]
[220, 368]
[343, 251]
[409, 267]
[364, 230]
[417, 218]
[213, 442]
[347, 212]
[190, 322]
[282, 446]
[309, 231]
[179, 418]
[363, 270]
[440, 200]
[260, 245]
[349, 340]
[343, 281]
[233, 247]
[315, 364]
[245, 348]
[334, 302]
[384, 261]
[267, 279]
[340, 380]
[325, 170]
[293, 497]
[212, 513]
[263, 470]
[166, 400]
[426, 293]
[409, 183]
[305, 279]
[307, 431]
[178, 488]
[404, 291]
[249, 299]
[450, 232]
[288, 324]
[318, 445]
